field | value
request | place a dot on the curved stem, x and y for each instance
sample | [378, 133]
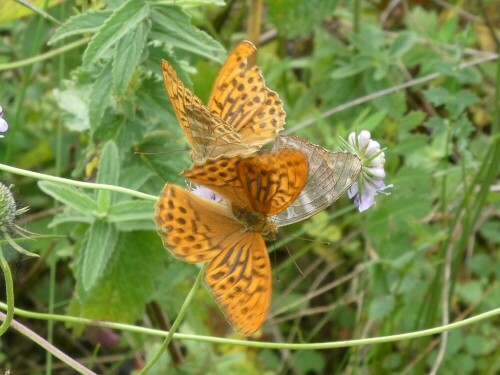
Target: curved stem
[9, 292]
[44, 56]
[261, 344]
[176, 323]
[85, 185]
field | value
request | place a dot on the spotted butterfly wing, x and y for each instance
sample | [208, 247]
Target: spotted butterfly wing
[330, 175]
[195, 230]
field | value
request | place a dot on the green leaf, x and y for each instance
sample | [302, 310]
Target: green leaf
[308, 361]
[108, 172]
[69, 196]
[437, 95]
[478, 345]
[462, 100]
[122, 21]
[131, 210]
[480, 264]
[471, 291]
[97, 251]
[74, 107]
[88, 22]
[130, 279]
[100, 96]
[172, 26]
[381, 307]
[352, 68]
[109, 165]
[402, 44]
[128, 53]
[71, 216]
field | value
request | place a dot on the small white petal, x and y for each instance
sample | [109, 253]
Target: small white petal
[378, 162]
[378, 173]
[364, 139]
[353, 190]
[1, 111]
[372, 148]
[3, 125]
[204, 192]
[352, 139]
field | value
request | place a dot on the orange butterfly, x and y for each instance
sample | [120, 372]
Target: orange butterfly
[242, 113]
[231, 238]
[330, 175]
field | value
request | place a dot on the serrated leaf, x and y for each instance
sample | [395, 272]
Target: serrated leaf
[172, 26]
[128, 53]
[97, 251]
[70, 196]
[402, 44]
[129, 280]
[437, 95]
[354, 67]
[100, 96]
[88, 22]
[130, 210]
[109, 165]
[123, 20]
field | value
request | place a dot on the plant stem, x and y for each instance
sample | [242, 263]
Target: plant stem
[9, 292]
[176, 323]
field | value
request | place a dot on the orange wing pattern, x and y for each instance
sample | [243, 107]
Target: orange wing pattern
[239, 274]
[265, 183]
[241, 98]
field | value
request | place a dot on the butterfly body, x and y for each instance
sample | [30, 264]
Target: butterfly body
[254, 221]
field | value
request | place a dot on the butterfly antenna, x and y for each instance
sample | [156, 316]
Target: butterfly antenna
[160, 152]
[276, 262]
[310, 240]
[294, 262]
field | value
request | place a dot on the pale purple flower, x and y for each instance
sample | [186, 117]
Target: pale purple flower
[3, 124]
[371, 179]
[206, 193]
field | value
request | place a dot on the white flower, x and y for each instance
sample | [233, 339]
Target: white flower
[3, 124]
[206, 193]
[371, 179]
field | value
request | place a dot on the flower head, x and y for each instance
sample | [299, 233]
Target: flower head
[371, 179]
[204, 192]
[8, 214]
[3, 124]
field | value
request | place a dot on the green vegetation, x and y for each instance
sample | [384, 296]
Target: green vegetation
[82, 93]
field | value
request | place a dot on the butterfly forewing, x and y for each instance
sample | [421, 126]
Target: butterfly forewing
[241, 98]
[240, 280]
[330, 175]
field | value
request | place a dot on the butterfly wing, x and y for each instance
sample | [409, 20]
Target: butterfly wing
[330, 175]
[274, 180]
[208, 135]
[241, 98]
[239, 275]
[240, 280]
[265, 183]
[192, 228]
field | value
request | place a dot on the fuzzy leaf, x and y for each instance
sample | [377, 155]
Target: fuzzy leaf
[88, 22]
[69, 196]
[129, 280]
[131, 210]
[122, 21]
[128, 53]
[97, 251]
[100, 96]
[172, 26]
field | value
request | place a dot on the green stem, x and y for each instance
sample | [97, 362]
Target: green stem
[176, 323]
[85, 185]
[44, 56]
[9, 292]
[259, 344]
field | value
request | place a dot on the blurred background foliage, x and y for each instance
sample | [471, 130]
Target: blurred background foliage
[97, 111]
